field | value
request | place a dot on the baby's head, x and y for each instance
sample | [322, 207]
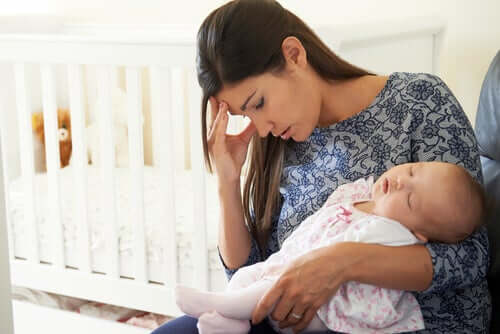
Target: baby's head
[435, 200]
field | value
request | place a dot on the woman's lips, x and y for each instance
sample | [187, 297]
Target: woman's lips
[286, 134]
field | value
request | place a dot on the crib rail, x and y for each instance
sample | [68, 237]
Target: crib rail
[93, 50]
[170, 66]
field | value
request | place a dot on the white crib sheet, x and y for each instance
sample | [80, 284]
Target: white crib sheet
[152, 212]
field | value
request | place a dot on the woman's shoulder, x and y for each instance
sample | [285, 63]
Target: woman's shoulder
[414, 81]
[425, 92]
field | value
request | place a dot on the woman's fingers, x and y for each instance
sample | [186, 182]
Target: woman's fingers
[266, 304]
[214, 111]
[214, 108]
[306, 319]
[295, 316]
[219, 118]
[222, 120]
[282, 309]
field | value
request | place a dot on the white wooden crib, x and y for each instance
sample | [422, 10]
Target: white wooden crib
[158, 60]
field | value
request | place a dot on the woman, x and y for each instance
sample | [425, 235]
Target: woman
[318, 122]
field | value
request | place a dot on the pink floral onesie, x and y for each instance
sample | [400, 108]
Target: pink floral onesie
[356, 307]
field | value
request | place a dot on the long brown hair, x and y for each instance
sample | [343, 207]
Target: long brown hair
[242, 39]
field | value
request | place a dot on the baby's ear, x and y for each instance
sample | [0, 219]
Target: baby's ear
[421, 237]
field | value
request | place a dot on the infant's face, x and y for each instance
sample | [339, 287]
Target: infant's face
[416, 194]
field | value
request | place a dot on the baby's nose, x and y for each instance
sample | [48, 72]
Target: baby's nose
[399, 184]
[394, 184]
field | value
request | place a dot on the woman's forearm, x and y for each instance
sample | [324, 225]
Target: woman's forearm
[404, 268]
[234, 238]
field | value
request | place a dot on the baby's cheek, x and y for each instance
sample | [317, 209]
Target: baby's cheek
[390, 209]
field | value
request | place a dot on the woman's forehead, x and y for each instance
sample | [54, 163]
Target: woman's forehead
[237, 94]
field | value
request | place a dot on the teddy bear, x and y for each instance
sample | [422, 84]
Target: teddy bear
[63, 134]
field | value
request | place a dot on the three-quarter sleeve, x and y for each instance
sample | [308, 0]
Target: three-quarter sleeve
[442, 132]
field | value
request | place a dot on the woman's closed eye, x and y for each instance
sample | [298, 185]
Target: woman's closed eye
[409, 203]
[260, 104]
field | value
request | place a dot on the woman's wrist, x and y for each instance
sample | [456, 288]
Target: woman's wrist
[228, 187]
[346, 259]
[357, 257]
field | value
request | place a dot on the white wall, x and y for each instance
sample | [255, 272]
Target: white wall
[470, 41]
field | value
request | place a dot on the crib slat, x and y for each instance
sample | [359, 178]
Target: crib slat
[27, 161]
[5, 173]
[200, 246]
[136, 154]
[53, 161]
[6, 139]
[164, 158]
[79, 164]
[107, 159]
[181, 118]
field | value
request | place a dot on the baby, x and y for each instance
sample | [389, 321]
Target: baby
[410, 203]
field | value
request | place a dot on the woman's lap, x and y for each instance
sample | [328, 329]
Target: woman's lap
[187, 325]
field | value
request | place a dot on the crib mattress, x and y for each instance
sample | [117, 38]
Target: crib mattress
[152, 212]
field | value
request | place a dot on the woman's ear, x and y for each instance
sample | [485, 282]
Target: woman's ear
[294, 51]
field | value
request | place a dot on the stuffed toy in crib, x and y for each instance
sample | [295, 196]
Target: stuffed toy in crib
[63, 134]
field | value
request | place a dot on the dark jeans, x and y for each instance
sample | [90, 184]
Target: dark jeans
[187, 325]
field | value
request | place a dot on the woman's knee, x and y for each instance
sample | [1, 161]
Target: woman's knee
[184, 325]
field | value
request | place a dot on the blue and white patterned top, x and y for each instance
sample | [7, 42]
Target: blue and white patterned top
[414, 118]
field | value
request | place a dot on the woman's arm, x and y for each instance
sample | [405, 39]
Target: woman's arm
[236, 246]
[403, 267]
[432, 268]
[234, 237]
[228, 153]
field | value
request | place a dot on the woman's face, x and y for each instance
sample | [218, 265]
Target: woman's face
[285, 105]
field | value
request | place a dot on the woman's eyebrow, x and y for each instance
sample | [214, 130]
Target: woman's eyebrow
[244, 106]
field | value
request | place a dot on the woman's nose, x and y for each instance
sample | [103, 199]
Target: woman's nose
[263, 126]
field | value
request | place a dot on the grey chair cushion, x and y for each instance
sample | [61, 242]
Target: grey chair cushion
[487, 129]
[488, 114]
